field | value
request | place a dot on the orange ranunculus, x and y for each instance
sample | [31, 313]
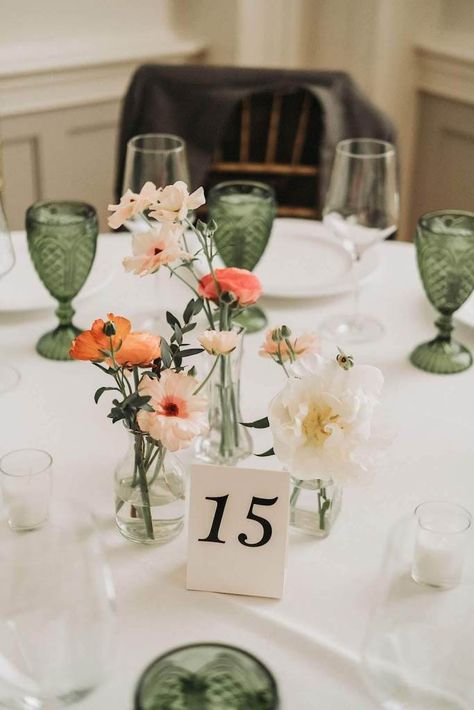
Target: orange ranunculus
[91, 344]
[139, 349]
[245, 286]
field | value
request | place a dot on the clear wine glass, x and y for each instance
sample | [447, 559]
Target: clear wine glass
[159, 158]
[8, 375]
[57, 613]
[361, 209]
[156, 157]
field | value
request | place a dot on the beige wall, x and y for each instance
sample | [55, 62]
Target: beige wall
[61, 56]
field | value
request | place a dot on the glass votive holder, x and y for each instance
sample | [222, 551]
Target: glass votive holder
[206, 676]
[26, 486]
[441, 541]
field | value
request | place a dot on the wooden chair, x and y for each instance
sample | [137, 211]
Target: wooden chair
[274, 138]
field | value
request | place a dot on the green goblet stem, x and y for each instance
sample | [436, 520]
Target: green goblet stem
[445, 326]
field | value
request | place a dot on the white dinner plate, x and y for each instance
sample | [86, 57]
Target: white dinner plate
[304, 259]
[465, 314]
[21, 289]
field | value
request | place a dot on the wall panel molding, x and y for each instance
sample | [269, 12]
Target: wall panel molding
[62, 86]
[446, 74]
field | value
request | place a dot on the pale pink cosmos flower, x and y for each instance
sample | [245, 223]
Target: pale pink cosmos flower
[179, 415]
[301, 345]
[154, 249]
[219, 342]
[131, 204]
[174, 201]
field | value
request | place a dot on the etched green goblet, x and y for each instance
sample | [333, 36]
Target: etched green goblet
[244, 212]
[445, 252]
[62, 240]
[207, 676]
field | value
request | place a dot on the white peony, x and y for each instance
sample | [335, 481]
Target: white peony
[322, 420]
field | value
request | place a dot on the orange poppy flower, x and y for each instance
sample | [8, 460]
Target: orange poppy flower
[139, 349]
[91, 344]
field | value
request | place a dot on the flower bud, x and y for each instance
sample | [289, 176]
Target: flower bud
[276, 335]
[285, 331]
[109, 328]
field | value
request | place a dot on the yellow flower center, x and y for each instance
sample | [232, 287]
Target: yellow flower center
[316, 422]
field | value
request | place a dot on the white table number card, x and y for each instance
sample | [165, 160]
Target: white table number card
[238, 530]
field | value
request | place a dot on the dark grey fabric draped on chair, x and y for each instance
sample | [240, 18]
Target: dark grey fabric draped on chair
[197, 101]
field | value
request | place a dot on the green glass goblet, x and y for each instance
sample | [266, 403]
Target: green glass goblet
[244, 212]
[208, 676]
[62, 240]
[445, 253]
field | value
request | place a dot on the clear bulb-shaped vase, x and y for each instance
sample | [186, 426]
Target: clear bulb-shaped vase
[227, 441]
[149, 492]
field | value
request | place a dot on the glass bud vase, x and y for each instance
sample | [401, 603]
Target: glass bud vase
[149, 492]
[314, 505]
[227, 441]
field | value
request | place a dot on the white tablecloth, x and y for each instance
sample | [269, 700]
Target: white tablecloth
[310, 639]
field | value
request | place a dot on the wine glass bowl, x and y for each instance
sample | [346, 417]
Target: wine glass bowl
[62, 241]
[160, 158]
[361, 209]
[445, 254]
[244, 212]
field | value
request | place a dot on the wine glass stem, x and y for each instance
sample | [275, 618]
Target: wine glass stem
[355, 287]
[65, 312]
[445, 326]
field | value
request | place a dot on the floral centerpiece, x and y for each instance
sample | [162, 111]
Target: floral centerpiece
[224, 293]
[322, 425]
[162, 408]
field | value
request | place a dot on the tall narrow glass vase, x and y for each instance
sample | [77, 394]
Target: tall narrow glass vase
[227, 441]
[149, 492]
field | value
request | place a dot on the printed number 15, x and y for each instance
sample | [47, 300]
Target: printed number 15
[221, 502]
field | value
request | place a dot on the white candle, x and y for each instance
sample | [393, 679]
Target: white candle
[438, 560]
[441, 540]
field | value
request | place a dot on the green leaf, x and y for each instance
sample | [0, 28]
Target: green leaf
[243, 244]
[198, 305]
[190, 351]
[188, 327]
[107, 370]
[166, 356]
[178, 334]
[270, 452]
[188, 311]
[101, 391]
[257, 424]
[141, 400]
[171, 319]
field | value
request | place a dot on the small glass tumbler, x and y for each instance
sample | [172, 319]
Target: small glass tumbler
[26, 486]
[208, 676]
[441, 543]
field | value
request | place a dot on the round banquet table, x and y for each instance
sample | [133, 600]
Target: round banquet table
[311, 638]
